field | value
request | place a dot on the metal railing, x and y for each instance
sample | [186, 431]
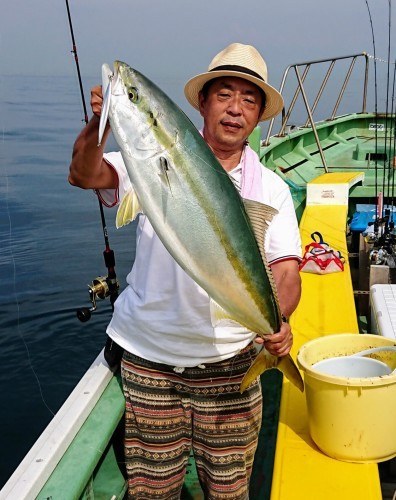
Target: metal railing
[306, 66]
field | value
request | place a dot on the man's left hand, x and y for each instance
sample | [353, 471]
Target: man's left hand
[280, 343]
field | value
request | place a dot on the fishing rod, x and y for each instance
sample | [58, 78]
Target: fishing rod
[101, 287]
[386, 156]
[378, 216]
[393, 144]
[384, 238]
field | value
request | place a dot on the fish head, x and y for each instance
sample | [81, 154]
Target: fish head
[133, 113]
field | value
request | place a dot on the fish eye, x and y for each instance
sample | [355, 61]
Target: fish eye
[133, 94]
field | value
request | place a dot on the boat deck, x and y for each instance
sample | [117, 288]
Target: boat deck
[301, 470]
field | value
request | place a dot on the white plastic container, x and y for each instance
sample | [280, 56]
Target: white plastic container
[383, 310]
[349, 366]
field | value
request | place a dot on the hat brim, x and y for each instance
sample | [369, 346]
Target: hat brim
[273, 102]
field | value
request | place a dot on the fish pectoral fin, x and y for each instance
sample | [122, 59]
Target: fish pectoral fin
[164, 172]
[128, 209]
[264, 361]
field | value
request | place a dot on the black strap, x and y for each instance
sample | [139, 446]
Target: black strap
[241, 69]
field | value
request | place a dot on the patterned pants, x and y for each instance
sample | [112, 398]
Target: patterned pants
[168, 412]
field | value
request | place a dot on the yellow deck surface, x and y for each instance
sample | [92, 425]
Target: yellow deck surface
[301, 470]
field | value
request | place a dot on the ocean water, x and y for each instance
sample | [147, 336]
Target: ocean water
[51, 247]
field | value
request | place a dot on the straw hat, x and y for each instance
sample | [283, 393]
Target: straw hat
[242, 61]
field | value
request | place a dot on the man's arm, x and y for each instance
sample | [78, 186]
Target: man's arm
[288, 282]
[88, 169]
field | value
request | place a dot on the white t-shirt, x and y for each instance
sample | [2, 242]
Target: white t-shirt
[163, 315]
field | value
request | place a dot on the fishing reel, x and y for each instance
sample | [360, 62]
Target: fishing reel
[100, 288]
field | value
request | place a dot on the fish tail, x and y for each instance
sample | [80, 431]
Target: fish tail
[289, 369]
[264, 361]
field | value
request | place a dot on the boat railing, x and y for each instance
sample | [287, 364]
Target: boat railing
[305, 67]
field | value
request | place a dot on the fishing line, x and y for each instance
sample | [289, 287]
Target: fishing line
[112, 350]
[392, 108]
[387, 103]
[13, 260]
[14, 268]
[375, 105]
[108, 252]
[392, 145]
[74, 51]
[14, 278]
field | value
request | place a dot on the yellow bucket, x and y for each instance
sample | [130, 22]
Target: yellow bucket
[352, 419]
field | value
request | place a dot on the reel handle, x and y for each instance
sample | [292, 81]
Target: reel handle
[98, 289]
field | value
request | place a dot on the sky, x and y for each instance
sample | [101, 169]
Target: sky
[171, 41]
[180, 37]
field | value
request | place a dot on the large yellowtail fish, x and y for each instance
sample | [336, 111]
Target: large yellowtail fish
[194, 207]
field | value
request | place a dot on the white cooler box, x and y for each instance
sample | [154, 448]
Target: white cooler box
[383, 310]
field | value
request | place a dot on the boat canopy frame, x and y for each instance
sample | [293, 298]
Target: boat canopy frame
[305, 68]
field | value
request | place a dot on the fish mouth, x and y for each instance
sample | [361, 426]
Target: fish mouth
[111, 85]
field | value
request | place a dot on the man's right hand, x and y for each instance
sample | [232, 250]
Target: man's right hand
[96, 100]
[88, 169]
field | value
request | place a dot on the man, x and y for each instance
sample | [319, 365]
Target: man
[181, 375]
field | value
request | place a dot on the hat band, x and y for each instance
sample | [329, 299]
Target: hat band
[240, 69]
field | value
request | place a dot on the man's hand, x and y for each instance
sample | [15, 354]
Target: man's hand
[96, 100]
[280, 343]
[88, 169]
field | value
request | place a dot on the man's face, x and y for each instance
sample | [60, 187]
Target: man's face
[230, 112]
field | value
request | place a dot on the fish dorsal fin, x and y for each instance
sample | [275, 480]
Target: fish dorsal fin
[128, 209]
[260, 216]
